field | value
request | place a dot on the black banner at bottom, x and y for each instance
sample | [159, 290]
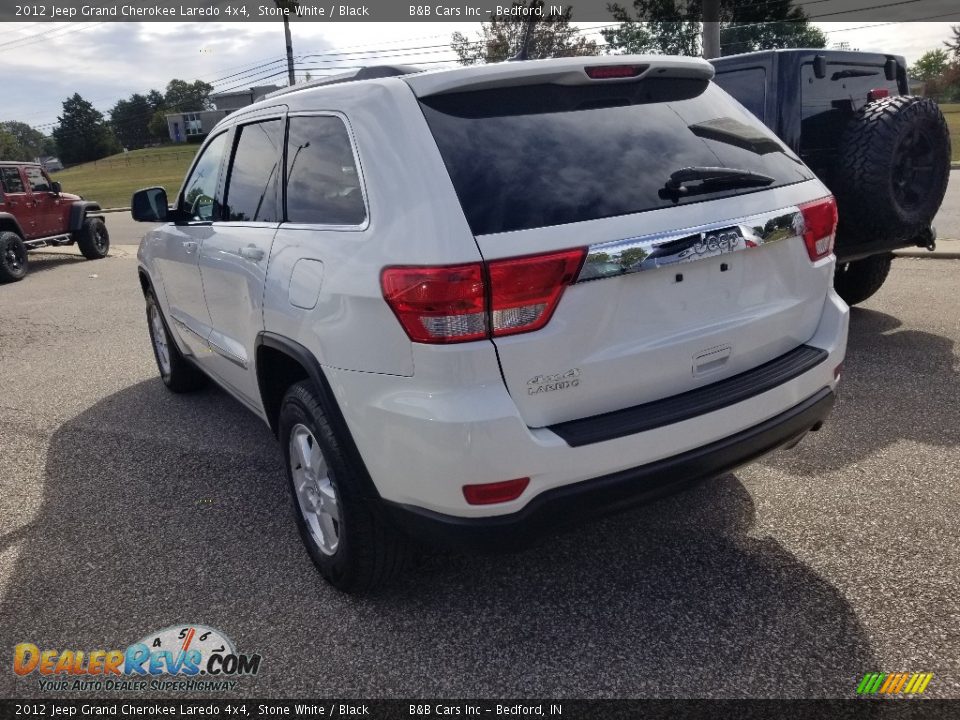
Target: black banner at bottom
[905, 709]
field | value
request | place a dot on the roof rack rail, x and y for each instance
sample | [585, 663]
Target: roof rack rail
[369, 72]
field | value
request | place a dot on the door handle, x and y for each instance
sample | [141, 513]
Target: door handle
[189, 245]
[252, 252]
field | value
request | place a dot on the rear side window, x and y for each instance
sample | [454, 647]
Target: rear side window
[544, 155]
[38, 182]
[252, 185]
[748, 87]
[12, 182]
[323, 184]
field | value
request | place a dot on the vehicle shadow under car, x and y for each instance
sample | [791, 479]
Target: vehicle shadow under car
[161, 509]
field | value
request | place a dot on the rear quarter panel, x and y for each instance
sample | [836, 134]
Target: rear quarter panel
[413, 218]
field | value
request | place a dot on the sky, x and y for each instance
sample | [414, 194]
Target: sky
[44, 63]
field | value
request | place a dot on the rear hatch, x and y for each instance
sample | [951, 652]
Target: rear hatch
[663, 301]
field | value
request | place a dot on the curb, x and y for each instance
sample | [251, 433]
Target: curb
[115, 210]
[927, 255]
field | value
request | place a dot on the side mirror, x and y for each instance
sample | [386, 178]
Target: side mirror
[56, 187]
[149, 205]
[820, 67]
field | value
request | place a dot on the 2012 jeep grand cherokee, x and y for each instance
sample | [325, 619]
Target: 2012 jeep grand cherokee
[478, 303]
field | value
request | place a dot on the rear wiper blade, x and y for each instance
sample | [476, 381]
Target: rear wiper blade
[715, 176]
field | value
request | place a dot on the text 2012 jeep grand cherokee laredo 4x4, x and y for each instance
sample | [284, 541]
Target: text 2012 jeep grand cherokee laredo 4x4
[477, 302]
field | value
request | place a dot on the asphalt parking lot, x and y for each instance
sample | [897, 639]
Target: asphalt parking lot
[125, 509]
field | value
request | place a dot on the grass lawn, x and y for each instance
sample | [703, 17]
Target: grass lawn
[952, 113]
[112, 180]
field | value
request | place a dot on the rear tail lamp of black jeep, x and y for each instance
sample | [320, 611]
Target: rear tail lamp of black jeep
[460, 303]
[819, 226]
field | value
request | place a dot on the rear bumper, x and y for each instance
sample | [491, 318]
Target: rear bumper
[571, 504]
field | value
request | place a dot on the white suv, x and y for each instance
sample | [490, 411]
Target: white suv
[481, 302]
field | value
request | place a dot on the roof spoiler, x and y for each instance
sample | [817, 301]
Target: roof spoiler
[369, 72]
[559, 71]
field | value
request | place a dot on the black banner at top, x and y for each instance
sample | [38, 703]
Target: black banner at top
[446, 10]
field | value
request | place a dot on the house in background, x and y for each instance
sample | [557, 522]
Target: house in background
[50, 163]
[193, 126]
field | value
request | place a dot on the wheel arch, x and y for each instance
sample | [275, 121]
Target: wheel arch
[9, 223]
[79, 212]
[281, 362]
[145, 284]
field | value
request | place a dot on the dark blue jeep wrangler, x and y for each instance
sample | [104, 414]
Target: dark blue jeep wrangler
[884, 154]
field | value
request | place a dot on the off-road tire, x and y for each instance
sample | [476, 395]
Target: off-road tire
[370, 550]
[856, 281]
[892, 169]
[93, 239]
[179, 375]
[13, 257]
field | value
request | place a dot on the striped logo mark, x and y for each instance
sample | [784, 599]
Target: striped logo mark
[894, 683]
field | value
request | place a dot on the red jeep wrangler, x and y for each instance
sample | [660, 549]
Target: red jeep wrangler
[34, 213]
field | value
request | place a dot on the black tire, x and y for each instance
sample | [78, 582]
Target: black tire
[892, 170]
[177, 373]
[369, 551]
[856, 281]
[13, 257]
[93, 239]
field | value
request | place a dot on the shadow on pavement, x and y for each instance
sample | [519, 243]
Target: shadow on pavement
[160, 510]
[885, 396]
[40, 260]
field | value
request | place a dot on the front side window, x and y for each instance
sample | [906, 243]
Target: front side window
[38, 181]
[199, 201]
[323, 184]
[12, 182]
[252, 184]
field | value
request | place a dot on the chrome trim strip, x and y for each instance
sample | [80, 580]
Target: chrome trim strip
[185, 326]
[227, 354]
[676, 247]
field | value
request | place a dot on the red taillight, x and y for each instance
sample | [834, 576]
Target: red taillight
[439, 304]
[878, 93]
[607, 72]
[819, 226]
[525, 291]
[449, 304]
[495, 492]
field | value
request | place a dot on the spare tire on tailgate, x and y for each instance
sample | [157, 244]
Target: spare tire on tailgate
[893, 168]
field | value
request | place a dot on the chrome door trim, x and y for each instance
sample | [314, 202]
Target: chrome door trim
[637, 254]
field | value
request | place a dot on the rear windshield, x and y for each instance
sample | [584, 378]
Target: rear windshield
[541, 155]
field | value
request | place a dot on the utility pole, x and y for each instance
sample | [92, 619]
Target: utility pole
[523, 52]
[711, 29]
[290, 6]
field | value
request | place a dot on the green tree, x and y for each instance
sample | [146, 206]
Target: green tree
[130, 120]
[954, 43]
[82, 134]
[182, 96]
[500, 39]
[672, 27]
[25, 143]
[9, 148]
[158, 126]
[930, 65]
